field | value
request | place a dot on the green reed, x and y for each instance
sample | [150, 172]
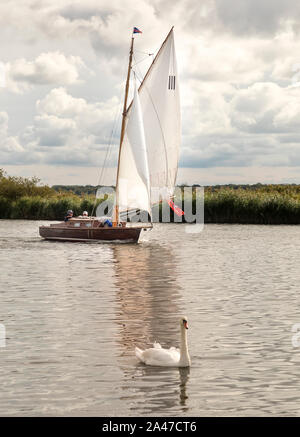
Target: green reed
[266, 205]
[38, 208]
[22, 198]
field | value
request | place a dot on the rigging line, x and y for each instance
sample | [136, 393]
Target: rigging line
[108, 150]
[144, 53]
[109, 146]
[136, 75]
[147, 53]
[138, 62]
[151, 66]
[161, 129]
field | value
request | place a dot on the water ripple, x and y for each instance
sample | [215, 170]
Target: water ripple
[74, 313]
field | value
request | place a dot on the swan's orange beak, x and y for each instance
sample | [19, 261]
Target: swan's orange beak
[185, 324]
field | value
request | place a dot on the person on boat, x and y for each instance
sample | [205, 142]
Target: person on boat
[107, 223]
[84, 215]
[69, 215]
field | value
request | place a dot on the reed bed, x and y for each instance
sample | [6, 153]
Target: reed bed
[279, 205]
[27, 198]
[22, 198]
[38, 208]
[220, 206]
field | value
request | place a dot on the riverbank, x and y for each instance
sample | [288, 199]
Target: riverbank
[22, 198]
[27, 198]
[223, 205]
[269, 204]
[38, 208]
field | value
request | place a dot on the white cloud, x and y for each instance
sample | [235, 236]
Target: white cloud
[253, 17]
[47, 69]
[59, 102]
[257, 125]
[69, 130]
[89, 117]
[10, 148]
[267, 108]
[53, 131]
[3, 122]
[238, 70]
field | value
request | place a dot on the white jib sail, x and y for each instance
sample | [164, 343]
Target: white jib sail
[133, 190]
[160, 102]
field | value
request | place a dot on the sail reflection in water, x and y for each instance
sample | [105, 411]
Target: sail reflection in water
[147, 311]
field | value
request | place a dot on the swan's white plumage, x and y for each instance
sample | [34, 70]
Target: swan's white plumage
[157, 356]
[173, 357]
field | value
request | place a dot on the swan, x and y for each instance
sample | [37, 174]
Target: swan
[158, 356]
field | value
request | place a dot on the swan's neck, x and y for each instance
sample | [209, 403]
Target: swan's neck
[184, 353]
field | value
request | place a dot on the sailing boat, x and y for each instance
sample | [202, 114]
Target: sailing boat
[148, 154]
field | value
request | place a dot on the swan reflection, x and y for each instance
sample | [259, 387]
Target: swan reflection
[184, 377]
[148, 306]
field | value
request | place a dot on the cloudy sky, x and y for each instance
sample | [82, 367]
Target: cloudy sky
[62, 70]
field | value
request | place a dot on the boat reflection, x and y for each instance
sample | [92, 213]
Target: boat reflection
[148, 308]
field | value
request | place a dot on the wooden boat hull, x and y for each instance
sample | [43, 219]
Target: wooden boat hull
[64, 233]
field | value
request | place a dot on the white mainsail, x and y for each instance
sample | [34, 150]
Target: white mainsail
[133, 189]
[149, 152]
[160, 102]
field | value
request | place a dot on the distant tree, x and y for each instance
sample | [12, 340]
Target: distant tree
[12, 187]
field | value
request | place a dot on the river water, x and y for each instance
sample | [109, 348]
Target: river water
[73, 313]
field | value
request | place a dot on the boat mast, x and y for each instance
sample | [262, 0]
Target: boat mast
[116, 209]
